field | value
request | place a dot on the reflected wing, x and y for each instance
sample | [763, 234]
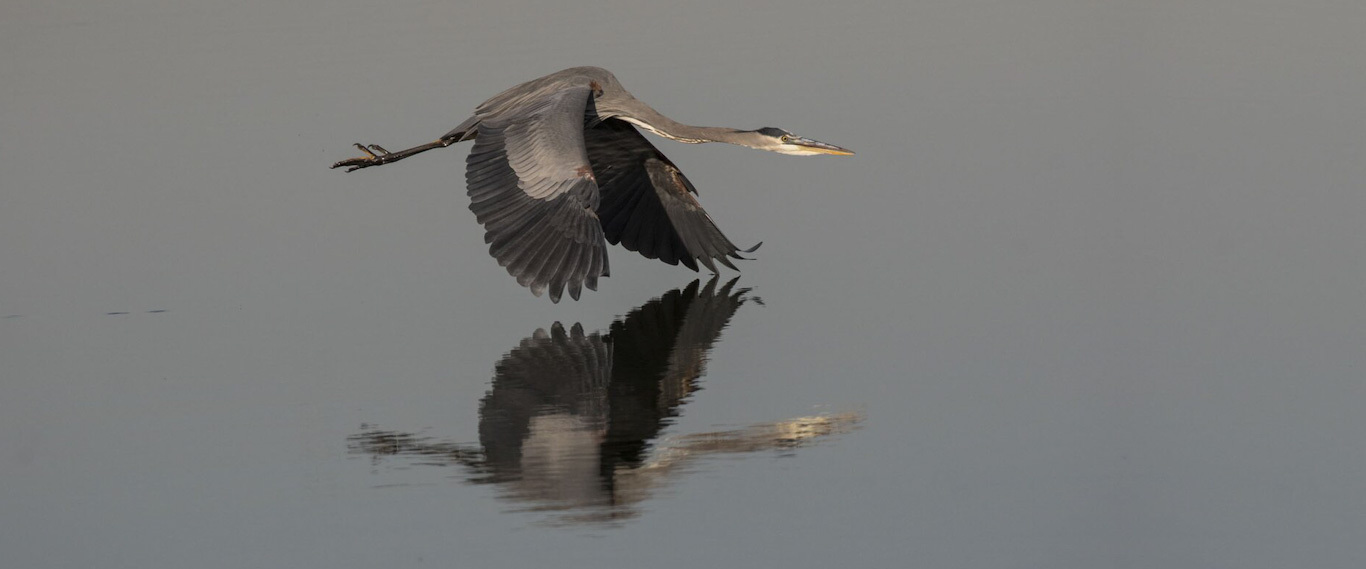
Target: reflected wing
[707, 316]
[532, 187]
[658, 351]
[648, 205]
[560, 373]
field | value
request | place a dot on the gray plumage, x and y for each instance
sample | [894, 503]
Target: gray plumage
[558, 170]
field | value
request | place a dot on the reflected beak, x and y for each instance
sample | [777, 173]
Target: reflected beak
[819, 147]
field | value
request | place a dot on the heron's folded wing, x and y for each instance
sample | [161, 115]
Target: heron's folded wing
[648, 205]
[532, 187]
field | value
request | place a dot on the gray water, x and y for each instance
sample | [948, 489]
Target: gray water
[1091, 294]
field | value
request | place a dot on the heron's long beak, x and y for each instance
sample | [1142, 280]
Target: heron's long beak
[819, 147]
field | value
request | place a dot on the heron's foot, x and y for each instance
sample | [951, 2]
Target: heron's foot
[375, 155]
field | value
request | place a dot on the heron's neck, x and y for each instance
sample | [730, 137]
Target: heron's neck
[643, 116]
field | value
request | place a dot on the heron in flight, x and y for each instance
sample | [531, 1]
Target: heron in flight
[558, 170]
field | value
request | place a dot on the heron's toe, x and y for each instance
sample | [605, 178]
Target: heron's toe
[370, 158]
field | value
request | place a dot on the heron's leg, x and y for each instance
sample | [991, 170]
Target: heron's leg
[376, 155]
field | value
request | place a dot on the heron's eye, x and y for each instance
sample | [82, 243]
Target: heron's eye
[785, 138]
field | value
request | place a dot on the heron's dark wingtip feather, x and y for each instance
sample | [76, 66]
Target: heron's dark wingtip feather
[707, 261]
[599, 265]
[562, 272]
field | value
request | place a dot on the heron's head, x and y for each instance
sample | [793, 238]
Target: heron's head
[779, 140]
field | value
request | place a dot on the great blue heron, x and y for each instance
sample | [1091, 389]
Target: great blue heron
[558, 170]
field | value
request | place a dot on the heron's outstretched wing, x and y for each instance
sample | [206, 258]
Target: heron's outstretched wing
[647, 204]
[532, 187]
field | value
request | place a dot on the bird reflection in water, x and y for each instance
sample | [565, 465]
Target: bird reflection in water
[571, 423]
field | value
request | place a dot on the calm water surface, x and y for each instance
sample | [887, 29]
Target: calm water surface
[570, 423]
[1091, 294]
